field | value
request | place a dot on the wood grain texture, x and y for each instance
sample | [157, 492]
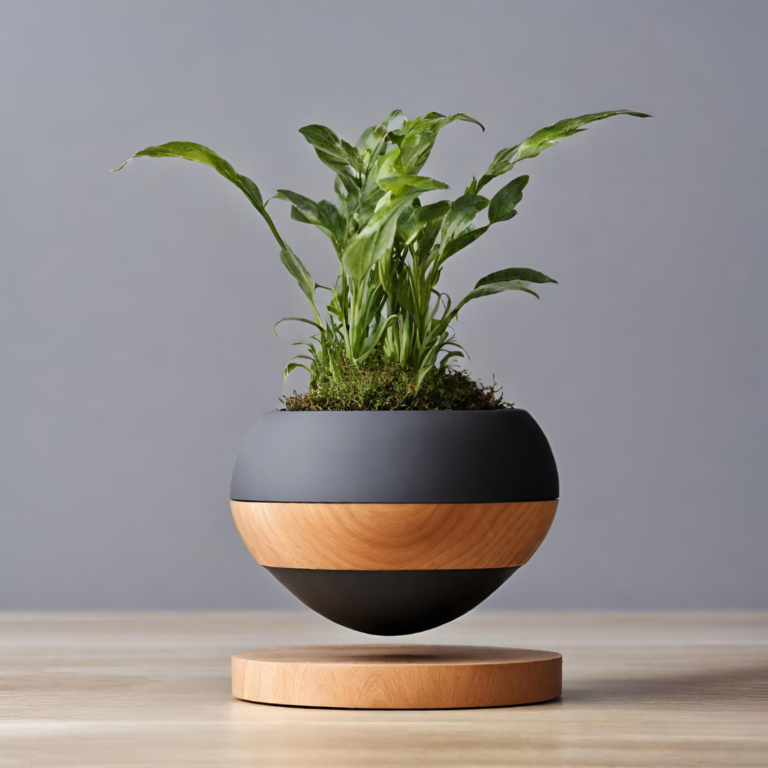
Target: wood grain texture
[397, 676]
[393, 537]
[656, 690]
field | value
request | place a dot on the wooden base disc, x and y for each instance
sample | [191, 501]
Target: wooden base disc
[397, 676]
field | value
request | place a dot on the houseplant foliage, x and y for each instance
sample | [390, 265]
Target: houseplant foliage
[383, 333]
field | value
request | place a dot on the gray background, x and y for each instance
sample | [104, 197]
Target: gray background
[137, 308]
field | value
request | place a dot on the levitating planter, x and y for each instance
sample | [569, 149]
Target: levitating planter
[392, 523]
[396, 494]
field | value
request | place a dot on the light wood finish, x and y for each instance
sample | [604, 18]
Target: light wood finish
[397, 676]
[144, 690]
[393, 537]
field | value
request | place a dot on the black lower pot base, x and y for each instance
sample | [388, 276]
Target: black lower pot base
[392, 602]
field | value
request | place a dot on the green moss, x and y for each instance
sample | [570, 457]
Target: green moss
[389, 387]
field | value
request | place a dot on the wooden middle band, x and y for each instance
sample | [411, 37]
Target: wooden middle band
[393, 537]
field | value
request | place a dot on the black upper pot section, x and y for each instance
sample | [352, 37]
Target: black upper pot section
[396, 457]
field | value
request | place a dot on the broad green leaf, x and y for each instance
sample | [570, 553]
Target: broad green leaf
[433, 211]
[406, 184]
[297, 215]
[341, 200]
[442, 120]
[515, 273]
[462, 241]
[501, 164]
[375, 238]
[417, 137]
[352, 155]
[332, 161]
[534, 145]
[333, 151]
[492, 288]
[307, 207]
[412, 220]
[372, 137]
[407, 225]
[349, 183]
[384, 166]
[467, 119]
[298, 270]
[323, 138]
[370, 198]
[426, 238]
[188, 150]
[348, 190]
[462, 213]
[251, 191]
[393, 115]
[368, 139]
[331, 220]
[503, 204]
[323, 215]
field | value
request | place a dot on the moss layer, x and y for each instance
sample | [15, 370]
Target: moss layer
[387, 387]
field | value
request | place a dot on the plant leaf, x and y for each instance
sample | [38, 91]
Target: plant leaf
[433, 211]
[331, 220]
[407, 225]
[189, 150]
[403, 184]
[324, 215]
[503, 204]
[462, 213]
[323, 138]
[501, 164]
[297, 215]
[251, 191]
[417, 137]
[333, 151]
[462, 241]
[515, 273]
[307, 207]
[492, 288]
[426, 238]
[370, 343]
[352, 155]
[298, 270]
[331, 161]
[349, 183]
[291, 367]
[546, 137]
[371, 137]
[375, 238]
[297, 320]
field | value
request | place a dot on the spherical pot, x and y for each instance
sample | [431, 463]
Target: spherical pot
[394, 522]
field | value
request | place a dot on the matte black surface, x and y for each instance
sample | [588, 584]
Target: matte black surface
[392, 602]
[397, 457]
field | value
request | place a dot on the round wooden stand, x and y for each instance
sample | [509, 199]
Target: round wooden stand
[397, 676]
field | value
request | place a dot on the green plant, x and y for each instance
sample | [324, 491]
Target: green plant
[385, 308]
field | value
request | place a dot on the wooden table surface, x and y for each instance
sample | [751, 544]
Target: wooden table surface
[143, 689]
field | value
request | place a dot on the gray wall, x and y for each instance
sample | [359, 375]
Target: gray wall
[137, 308]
